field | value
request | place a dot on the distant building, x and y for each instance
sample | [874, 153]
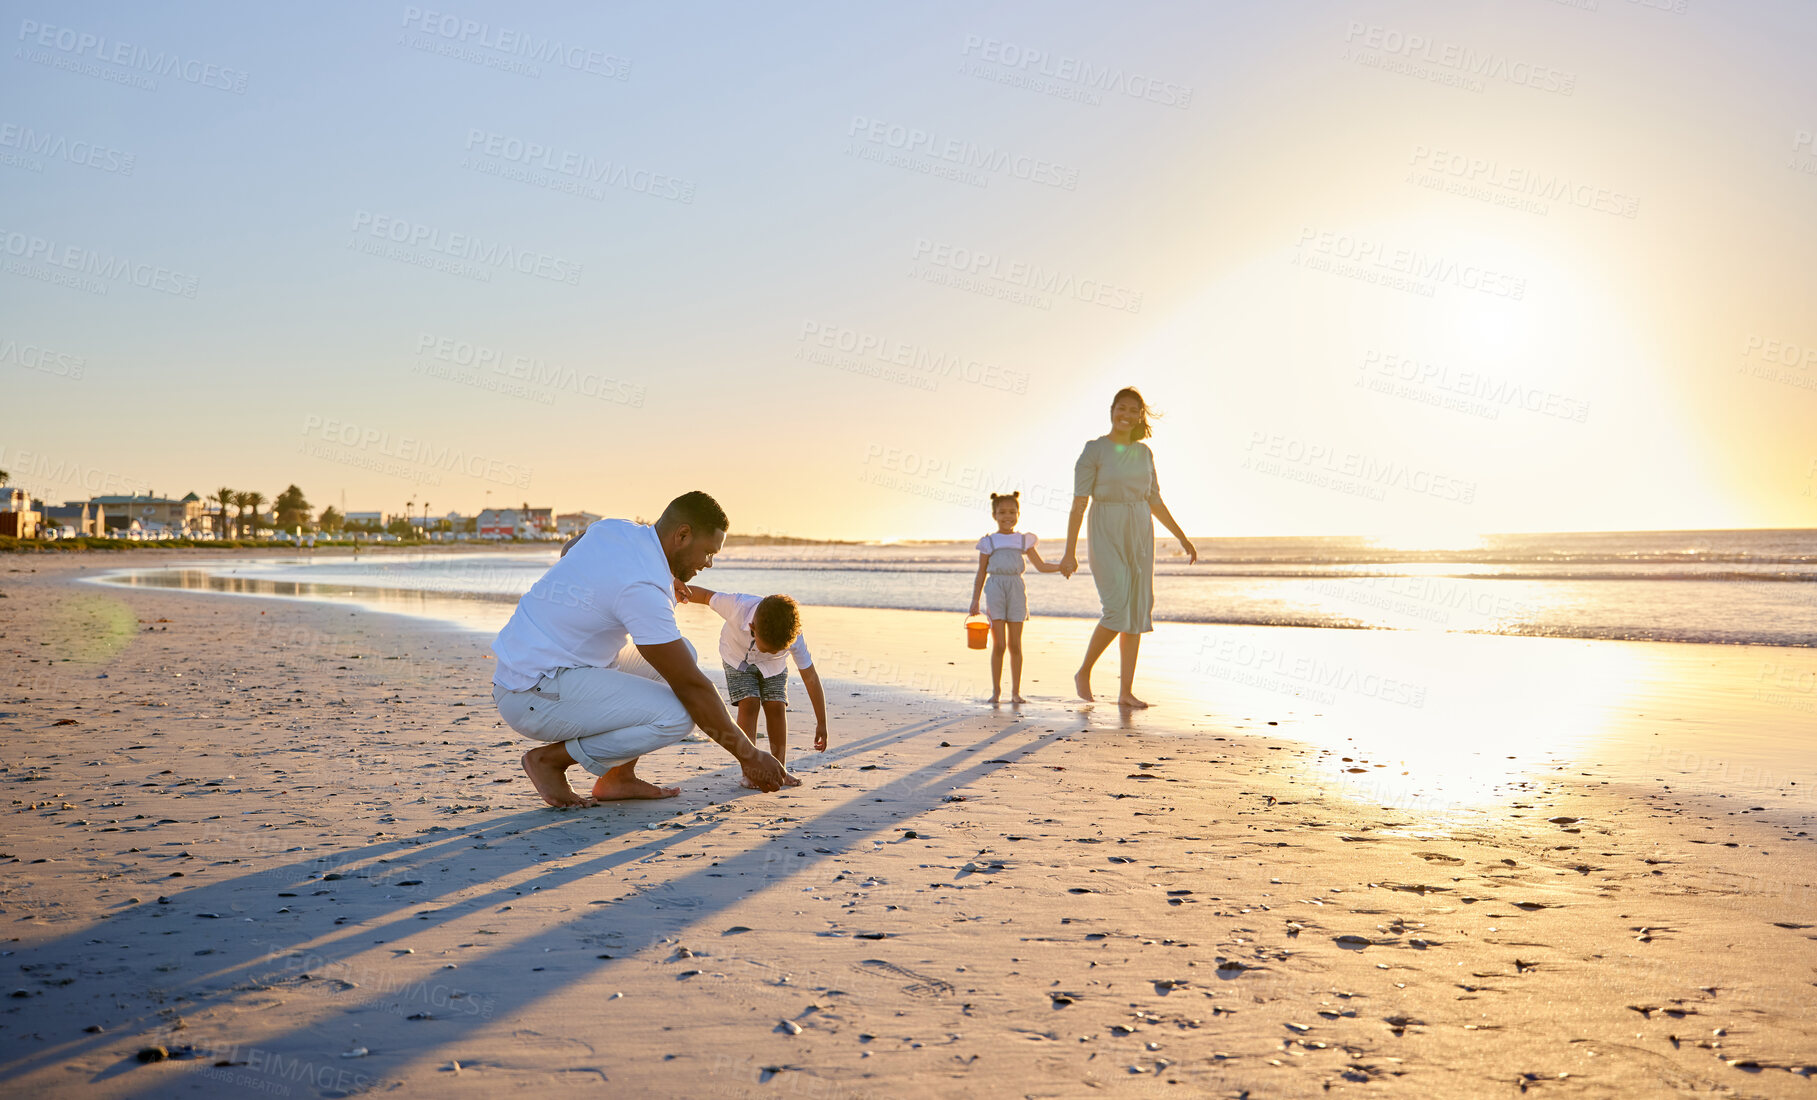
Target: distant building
[18, 519]
[497, 523]
[453, 525]
[375, 521]
[179, 518]
[573, 523]
[76, 517]
[429, 525]
[520, 523]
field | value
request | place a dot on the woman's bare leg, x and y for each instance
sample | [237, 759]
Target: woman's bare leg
[1100, 641]
[1130, 645]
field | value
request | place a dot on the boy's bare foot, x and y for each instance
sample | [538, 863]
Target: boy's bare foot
[551, 779]
[1082, 685]
[1130, 701]
[1017, 699]
[622, 783]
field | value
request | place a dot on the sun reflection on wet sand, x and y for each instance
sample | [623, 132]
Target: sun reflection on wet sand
[1442, 722]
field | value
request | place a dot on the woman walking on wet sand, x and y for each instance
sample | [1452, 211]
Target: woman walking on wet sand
[1116, 474]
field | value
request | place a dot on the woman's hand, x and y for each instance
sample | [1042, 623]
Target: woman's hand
[1069, 565]
[1191, 551]
[973, 611]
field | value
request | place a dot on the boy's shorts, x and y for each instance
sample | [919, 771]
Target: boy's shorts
[748, 683]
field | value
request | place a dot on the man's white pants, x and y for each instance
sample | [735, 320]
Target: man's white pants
[604, 716]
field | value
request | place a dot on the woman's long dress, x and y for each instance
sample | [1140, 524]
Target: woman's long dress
[1120, 480]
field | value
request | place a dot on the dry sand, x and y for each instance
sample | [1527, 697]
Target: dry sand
[289, 844]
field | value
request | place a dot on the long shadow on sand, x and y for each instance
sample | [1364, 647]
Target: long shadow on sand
[352, 899]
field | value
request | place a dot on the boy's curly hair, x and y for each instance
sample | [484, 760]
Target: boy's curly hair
[776, 622]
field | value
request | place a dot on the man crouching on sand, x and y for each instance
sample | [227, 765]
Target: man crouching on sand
[593, 664]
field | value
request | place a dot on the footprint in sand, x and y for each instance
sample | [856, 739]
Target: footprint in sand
[920, 985]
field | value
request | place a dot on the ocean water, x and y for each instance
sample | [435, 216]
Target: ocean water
[1726, 587]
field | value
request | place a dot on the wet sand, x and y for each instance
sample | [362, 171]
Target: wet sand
[288, 844]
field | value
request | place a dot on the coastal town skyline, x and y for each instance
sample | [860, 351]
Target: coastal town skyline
[155, 516]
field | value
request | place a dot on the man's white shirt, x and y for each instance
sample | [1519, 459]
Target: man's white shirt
[612, 586]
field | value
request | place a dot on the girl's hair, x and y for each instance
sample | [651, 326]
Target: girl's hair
[1142, 429]
[1015, 496]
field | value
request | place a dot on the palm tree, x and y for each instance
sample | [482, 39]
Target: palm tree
[225, 496]
[241, 501]
[255, 500]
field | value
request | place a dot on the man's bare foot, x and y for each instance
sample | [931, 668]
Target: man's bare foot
[747, 784]
[551, 779]
[1130, 701]
[1082, 685]
[622, 783]
[1017, 699]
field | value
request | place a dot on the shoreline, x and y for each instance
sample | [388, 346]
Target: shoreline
[1403, 679]
[455, 601]
[1195, 879]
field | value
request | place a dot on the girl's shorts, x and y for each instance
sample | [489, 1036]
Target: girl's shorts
[1005, 597]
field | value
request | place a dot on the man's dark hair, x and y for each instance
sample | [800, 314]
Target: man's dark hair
[776, 622]
[697, 510]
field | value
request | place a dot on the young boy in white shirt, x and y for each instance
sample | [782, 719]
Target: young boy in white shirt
[759, 637]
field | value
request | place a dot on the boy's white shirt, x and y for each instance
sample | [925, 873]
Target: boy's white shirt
[737, 644]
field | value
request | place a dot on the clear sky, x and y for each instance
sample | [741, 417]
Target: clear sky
[1408, 268]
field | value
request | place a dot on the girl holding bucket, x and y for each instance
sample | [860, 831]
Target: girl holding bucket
[999, 583]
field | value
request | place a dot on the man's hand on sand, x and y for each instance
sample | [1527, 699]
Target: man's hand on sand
[766, 773]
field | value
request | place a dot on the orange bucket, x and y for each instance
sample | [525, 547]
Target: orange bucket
[977, 631]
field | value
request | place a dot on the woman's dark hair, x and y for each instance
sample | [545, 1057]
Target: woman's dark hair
[1015, 496]
[1142, 429]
